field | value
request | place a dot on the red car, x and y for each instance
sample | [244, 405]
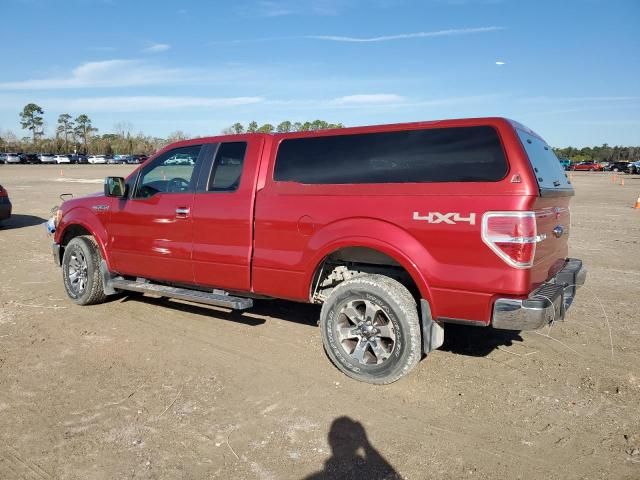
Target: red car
[395, 230]
[5, 204]
[586, 167]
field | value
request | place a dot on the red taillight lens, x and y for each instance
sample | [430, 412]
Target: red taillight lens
[3, 192]
[512, 236]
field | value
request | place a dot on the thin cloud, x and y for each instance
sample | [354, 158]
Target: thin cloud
[405, 36]
[545, 100]
[145, 103]
[368, 99]
[157, 48]
[126, 73]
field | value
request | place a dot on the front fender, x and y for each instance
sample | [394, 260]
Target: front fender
[378, 235]
[87, 219]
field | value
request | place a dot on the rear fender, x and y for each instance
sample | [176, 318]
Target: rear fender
[378, 235]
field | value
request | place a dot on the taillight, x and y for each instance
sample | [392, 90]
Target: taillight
[512, 236]
[3, 192]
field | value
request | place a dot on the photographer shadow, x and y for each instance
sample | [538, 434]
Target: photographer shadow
[353, 457]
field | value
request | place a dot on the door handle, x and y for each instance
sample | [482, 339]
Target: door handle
[182, 212]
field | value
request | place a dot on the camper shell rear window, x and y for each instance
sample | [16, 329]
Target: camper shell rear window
[551, 177]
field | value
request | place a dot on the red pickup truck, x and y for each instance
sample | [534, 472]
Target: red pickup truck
[394, 229]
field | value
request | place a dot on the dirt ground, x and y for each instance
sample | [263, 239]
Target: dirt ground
[147, 388]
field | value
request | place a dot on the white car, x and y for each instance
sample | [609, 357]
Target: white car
[62, 159]
[12, 158]
[47, 158]
[97, 159]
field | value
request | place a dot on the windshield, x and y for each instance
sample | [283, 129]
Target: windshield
[551, 177]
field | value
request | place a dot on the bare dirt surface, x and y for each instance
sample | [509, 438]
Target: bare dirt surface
[147, 388]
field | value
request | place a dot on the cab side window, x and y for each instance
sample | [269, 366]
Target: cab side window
[171, 172]
[227, 167]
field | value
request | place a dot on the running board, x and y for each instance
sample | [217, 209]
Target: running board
[197, 296]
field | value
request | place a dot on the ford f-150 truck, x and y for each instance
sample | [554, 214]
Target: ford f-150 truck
[395, 229]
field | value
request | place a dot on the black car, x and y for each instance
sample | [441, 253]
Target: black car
[617, 167]
[29, 158]
[78, 158]
[5, 204]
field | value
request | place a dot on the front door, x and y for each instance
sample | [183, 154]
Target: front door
[151, 231]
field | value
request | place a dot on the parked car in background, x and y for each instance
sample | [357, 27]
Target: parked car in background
[5, 204]
[78, 158]
[29, 158]
[94, 159]
[62, 159]
[12, 158]
[617, 167]
[47, 158]
[116, 159]
[135, 159]
[634, 167]
[3, 157]
[585, 167]
[565, 162]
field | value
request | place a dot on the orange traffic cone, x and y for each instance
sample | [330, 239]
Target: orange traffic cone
[61, 173]
[614, 179]
[622, 182]
[637, 203]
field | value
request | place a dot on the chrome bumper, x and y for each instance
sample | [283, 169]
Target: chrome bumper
[546, 304]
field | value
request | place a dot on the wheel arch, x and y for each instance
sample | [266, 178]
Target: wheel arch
[390, 241]
[76, 223]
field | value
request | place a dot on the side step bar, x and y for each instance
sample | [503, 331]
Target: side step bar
[197, 296]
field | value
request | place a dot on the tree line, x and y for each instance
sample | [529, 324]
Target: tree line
[282, 127]
[79, 135]
[603, 153]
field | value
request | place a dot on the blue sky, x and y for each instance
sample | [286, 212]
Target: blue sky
[568, 69]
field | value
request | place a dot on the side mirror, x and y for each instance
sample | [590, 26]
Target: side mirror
[115, 187]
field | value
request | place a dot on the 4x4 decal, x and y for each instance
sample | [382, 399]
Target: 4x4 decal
[451, 218]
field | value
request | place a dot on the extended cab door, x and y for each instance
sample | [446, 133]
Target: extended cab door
[151, 231]
[222, 214]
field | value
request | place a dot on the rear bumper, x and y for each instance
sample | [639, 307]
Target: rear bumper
[546, 304]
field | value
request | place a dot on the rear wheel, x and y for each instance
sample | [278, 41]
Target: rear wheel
[371, 330]
[81, 271]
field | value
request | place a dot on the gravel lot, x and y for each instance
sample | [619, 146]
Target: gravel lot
[147, 388]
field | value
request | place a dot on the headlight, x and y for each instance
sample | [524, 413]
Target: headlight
[58, 217]
[54, 221]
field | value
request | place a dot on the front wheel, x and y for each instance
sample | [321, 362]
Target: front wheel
[81, 271]
[371, 330]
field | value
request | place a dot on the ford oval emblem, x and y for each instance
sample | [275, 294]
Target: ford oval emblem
[558, 231]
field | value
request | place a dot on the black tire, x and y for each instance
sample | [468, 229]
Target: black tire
[393, 329]
[81, 271]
